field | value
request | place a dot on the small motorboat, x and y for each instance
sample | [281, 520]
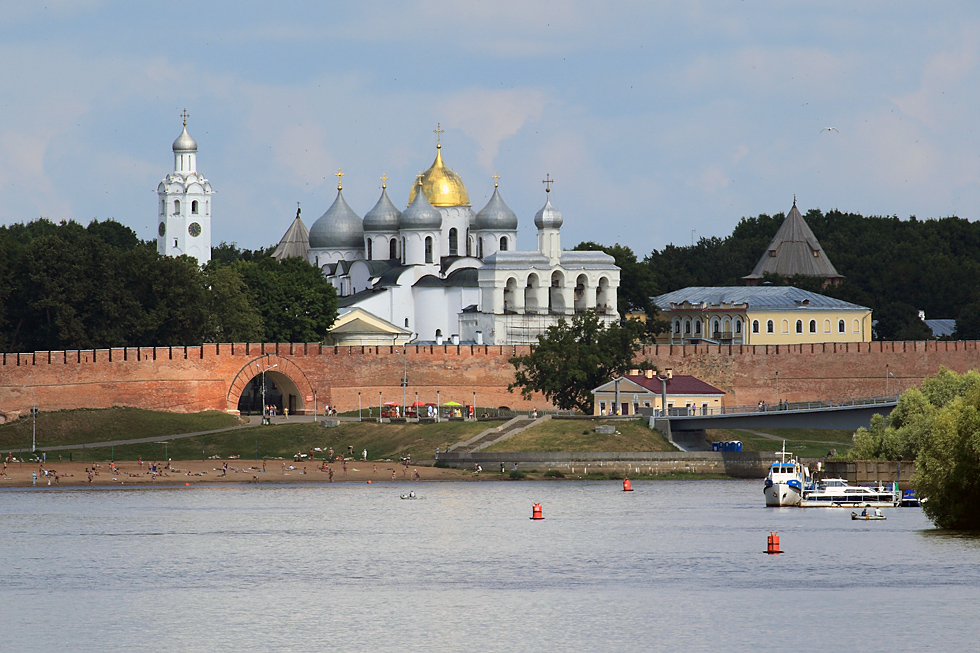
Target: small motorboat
[867, 517]
[410, 495]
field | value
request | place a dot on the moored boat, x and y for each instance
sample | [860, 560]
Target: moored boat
[786, 481]
[836, 493]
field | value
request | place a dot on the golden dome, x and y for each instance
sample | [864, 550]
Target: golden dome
[442, 186]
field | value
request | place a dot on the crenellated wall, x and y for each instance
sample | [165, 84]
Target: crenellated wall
[186, 379]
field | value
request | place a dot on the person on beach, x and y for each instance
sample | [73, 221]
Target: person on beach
[330, 473]
[139, 462]
[393, 476]
[331, 453]
[364, 455]
[345, 468]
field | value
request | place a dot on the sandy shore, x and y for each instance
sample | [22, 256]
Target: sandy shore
[196, 472]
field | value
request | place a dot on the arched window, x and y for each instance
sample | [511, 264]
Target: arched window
[403, 251]
[856, 326]
[755, 326]
[370, 249]
[799, 326]
[677, 326]
[687, 327]
[176, 206]
[428, 249]
[480, 248]
[697, 327]
[393, 249]
[194, 207]
[406, 322]
[840, 326]
[770, 327]
[784, 325]
[738, 327]
[714, 329]
[826, 326]
[813, 326]
[503, 243]
[453, 242]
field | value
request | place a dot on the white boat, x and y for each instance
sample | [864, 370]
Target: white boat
[836, 493]
[786, 481]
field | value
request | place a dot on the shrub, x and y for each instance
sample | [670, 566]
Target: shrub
[553, 473]
[517, 475]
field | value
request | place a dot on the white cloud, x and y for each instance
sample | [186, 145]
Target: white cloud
[489, 116]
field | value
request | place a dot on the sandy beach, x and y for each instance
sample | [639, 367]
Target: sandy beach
[196, 472]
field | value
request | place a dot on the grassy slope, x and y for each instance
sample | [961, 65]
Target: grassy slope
[578, 435]
[804, 443]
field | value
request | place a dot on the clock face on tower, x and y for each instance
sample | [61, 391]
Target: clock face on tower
[162, 229]
[194, 230]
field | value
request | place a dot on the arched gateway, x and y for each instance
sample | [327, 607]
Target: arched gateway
[286, 385]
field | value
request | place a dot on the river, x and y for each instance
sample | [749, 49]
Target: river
[352, 567]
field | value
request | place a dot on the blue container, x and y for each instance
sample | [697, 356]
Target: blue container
[738, 446]
[716, 446]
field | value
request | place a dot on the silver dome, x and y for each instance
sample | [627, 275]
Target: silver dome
[496, 215]
[338, 228]
[185, 143]
[548, 217]
[420, 215]
[383, 217]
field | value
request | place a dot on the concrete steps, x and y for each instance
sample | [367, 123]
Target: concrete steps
[496, 434]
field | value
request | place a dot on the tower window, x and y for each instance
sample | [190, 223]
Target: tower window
[393, 249]
[194, 207]
[480, 248]
[176, 207]
[370, 249]
[770, 327]
[840, 326]
[453, 242]
[428, 249]
[799, 326]
[755, 326]
[503, 243]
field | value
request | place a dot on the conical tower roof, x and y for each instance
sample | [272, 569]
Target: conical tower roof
[420, 215]
[295, 242]
[794, 250]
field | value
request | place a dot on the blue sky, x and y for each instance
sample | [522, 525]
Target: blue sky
[656, 119]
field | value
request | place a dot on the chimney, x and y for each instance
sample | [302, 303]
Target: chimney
[670, 373]
[479, 334]
[455, 338]
[634, 372]
[649, 374]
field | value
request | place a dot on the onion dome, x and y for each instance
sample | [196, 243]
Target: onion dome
[184, 142]
[384, 216]
[496, 215]
[338, 228]
[442, 186]
[548, 217]
[420, 215]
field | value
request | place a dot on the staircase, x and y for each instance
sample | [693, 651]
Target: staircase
[497, 434]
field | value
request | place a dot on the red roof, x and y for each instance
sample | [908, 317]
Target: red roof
[680, 384]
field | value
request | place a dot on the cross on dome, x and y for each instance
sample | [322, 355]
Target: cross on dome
[185, 116]
[547, 183]
[495, 178]
[438, 131]
[384, 181]
[339, 175]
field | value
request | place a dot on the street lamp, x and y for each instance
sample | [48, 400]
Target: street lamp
[887, 375]
[34, 421]
[358, 406]
[264, 407]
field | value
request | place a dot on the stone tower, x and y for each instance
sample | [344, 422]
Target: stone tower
[184, 209]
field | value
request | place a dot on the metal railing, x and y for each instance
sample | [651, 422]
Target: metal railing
[853, 402]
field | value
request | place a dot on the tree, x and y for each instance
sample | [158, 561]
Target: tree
[947, 471]
[232, 317]
[574, 358]
[296, 302]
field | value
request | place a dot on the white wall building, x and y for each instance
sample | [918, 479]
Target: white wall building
[447, 274]
[184, 208]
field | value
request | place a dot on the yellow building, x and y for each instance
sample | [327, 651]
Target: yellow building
[643, 389]
[761, 315]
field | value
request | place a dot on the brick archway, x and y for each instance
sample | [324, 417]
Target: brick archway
[279, 367]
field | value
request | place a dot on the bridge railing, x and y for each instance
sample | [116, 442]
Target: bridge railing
[762, 407]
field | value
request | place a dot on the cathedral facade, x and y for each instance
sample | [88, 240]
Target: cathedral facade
[439, 272]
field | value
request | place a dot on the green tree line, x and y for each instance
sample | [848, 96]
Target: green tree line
[68, 286]
[896, 267]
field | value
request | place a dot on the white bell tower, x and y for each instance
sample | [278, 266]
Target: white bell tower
[184, 210]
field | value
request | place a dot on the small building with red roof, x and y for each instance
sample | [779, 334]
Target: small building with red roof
[626, 395]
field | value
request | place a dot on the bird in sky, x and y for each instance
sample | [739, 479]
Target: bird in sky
[829, 129]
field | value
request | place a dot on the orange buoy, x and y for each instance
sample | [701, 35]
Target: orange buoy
[369, 481]
[772, 545]
[627, 487]
[536, 512]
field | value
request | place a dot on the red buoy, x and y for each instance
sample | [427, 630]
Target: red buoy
[536, 512]
[627, 487]
[772, 545]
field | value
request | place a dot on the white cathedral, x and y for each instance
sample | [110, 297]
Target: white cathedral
[436, 272]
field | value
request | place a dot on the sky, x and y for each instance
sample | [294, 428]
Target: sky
[660, 122]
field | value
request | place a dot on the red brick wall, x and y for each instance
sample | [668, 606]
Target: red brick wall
[199, 378]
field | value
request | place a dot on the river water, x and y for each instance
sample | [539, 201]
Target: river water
[351, 567]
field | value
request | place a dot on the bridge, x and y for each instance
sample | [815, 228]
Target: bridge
[835, 414]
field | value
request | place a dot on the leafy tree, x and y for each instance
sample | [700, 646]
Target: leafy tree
[232, 317]
[900, 321]
[947, 471]
[574, 358]
[295, 301]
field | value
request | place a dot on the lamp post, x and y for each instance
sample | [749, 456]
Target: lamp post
[404, 380]
[438, 405]
[417, 407]
[380, 407]
[474, 405]
[887, 375]
[264, 407]
[358, 406]
[33, 421]
[777, 387]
